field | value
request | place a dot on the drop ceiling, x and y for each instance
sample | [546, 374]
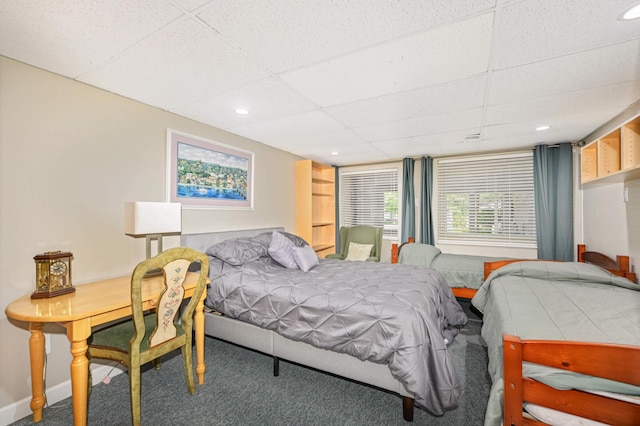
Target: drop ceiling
[374, 80]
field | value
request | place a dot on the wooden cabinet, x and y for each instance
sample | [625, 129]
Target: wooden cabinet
[614, 157]
[316, 205]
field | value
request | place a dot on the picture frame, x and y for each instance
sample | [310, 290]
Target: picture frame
[205, 174]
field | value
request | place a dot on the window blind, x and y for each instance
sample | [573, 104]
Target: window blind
[370, 198]
[487, 200]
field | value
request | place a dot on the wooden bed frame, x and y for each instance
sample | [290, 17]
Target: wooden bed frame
[619, 267]
[622, 365]
[271, 343]
[587, 358]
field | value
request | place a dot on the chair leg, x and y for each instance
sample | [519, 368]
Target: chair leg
[187, 363]
[134, 392]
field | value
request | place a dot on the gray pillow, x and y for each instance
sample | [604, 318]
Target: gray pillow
[305, 257]
[281, 250]
[298, 241]
[238, 251]
[265, 237]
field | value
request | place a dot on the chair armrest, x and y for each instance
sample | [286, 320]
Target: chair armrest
[334, 256]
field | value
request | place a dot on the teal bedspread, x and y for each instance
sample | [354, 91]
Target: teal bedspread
[459, 270]
[556, 301]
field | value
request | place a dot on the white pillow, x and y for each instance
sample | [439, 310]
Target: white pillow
[281, 250]
[359, 251]
[305, 257]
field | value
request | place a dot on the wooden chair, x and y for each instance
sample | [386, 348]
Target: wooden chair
[147, 336]
[620, 363]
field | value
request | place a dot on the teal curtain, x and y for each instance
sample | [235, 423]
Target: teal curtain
[553, 187]
[426, 215]
[408, 201]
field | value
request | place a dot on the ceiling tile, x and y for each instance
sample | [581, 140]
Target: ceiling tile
[350, 152]
[285, 34]
[191, 5]
[502, 136]
[265, 100]
[71, 37]
[567, 127]
[448, 53]
[533, 30]
[433, 145]
[182, 63]
[592, 68]
[427, 125]
[308, 128]
[549, 109]
[452, 96]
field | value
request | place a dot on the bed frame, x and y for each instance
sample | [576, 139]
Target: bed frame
[271, 343]
[619, 267]
[587, 358]
[582, 357]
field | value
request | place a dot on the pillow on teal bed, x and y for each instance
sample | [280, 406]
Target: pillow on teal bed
[238, 251]
[418, 254]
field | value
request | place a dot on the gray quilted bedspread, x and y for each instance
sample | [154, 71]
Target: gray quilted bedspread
[399, 315]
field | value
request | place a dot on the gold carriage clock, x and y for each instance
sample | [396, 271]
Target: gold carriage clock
[53, 274]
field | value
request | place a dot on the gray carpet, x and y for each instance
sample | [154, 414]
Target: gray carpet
[240, 389]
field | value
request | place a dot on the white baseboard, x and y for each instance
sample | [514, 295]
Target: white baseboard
[21, 409]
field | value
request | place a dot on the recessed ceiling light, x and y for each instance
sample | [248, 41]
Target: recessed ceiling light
[241, 111]
[335, 153]
[543, 128]
[632, 13]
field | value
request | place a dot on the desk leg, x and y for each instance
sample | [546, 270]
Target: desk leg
[36, 355]
[77, 333]
[199, 323]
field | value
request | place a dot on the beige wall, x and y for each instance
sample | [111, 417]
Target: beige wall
[70, 157]
[611, 225]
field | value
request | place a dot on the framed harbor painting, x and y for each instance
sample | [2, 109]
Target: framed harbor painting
[207, 174]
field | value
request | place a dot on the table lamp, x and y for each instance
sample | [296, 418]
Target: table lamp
[152, 220]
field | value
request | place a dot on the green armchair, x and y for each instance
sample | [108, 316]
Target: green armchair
[360, 234]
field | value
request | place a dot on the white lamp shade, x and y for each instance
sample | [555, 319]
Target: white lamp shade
[144, 218]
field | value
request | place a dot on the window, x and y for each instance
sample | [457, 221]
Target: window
[487, 200]
[370, 197]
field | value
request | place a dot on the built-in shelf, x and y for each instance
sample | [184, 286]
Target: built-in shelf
[614, 157]
[315, 205]
[318, 180]
[324, 247]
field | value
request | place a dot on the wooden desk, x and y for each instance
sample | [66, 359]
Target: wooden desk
[90, 305]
